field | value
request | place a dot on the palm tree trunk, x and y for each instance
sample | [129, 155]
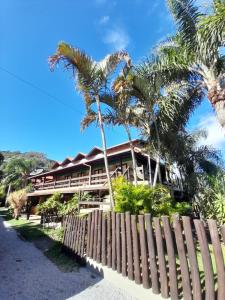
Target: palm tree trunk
[132, 153]
[149, 169]
[104, 151]
[217, 98]
[157, 169]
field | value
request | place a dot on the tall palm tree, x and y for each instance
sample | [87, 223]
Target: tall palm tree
[194, 52]
[116, 114]
[92, 80]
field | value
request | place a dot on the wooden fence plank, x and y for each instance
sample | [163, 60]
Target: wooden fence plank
[130, 268]
[109, 240]
[95, 234]
[75, 233]
[68, 230]
[113, 240]
[65, 220]
[72, 232]
[118, 244]
[137, 272]
[104, 245]
[88, 234]
[171, 258]
[123, 240]
[206, 259]
[218, 254]
[152, 255]
[161, 258]
[83, 246]
[99, 236]
[81, 236]
[91, 244]
[144, 257]
[182, 258]
[192, 257]
[78, 235]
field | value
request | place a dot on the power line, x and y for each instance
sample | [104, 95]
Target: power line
[42, 91]
[39, 89]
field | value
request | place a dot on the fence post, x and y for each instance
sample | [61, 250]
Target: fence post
[118, 244]
[171, 258]
[130, 268]
[144, 258]
[109, 240]
[103, 240]
[218, 257]
[161, 259]
[196, 284]
[113, 240]
[206, 259]
[182, 257]
[137, 272]
[152, 254]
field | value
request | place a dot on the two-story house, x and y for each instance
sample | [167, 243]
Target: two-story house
[85, 174]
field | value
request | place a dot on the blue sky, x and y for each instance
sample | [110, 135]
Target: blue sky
[47, 118]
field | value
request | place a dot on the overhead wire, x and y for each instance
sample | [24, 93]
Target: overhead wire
[43, 91]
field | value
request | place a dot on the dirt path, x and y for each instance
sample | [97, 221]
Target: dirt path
[26, 274]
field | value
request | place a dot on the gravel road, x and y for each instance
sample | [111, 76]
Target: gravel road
[26, 274]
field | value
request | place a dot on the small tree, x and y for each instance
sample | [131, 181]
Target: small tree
[17, 200]
[52, 205]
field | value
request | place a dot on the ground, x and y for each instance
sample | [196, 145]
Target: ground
[27, 274]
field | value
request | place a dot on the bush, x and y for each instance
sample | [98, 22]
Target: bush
[142, 198]
[71, 206]
[209, 202]
[51, 206]
[17, 201]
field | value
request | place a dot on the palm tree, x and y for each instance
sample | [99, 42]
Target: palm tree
[92, 81]
[194, 52]
[117, 114]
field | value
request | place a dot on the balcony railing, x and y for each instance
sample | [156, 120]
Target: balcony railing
[98, 179]
[95, 179]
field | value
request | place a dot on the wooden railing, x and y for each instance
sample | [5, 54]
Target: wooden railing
[178, 258]
[74, 182]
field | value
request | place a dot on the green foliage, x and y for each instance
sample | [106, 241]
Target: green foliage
[52, 205]
[131, 198]
[2, 192]
[141, 198]
[210, 199]
[71, 206]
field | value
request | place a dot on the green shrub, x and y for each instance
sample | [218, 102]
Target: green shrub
[142, 198]
[209, 202]
[52, 205]
[2, 192]
[71, 206]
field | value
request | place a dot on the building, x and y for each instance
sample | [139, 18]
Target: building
[85, 174]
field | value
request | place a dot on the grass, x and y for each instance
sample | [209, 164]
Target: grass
[48, 240]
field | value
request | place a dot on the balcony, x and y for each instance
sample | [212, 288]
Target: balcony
[71, 185]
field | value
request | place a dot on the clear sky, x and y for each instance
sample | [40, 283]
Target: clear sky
[41, 110]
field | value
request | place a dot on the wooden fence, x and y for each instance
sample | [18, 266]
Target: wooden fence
[178, 258]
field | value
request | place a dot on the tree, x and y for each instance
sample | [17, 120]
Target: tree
[17, 200]
[16, 171]
[118, 113]
[92, 80]
[194, 52]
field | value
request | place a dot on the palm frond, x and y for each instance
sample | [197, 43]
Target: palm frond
[80, 63]
[186, 16]
[211, 33]
[111, 61]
